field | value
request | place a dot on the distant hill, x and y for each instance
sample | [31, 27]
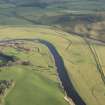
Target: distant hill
[84, 17]
[62, 4]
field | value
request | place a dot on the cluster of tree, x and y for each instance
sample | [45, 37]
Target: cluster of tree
[5, 84]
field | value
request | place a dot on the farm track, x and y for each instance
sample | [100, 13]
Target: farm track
[98, 65]
[62, 72]
[97, 60]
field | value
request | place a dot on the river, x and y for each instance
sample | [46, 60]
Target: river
[61, 69]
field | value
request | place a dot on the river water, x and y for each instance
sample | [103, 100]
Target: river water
[61, 69]
[63, 75]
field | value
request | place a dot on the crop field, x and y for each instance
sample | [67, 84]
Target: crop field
[34, 70]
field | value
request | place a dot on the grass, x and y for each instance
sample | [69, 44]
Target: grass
[78, 60]
[31, 88]
[17, 18]
[33, 84]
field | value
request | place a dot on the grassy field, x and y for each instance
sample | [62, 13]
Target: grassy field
[36, 83]
[78, 59]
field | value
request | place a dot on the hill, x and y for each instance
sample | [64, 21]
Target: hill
[82, 17]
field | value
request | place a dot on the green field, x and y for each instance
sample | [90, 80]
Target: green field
[76, 28]
[41, 86]
[36, 83]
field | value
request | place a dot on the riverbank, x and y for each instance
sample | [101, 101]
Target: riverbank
[62, 72]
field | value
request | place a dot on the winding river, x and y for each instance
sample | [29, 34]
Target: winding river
[61, 69]
[63, 75]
